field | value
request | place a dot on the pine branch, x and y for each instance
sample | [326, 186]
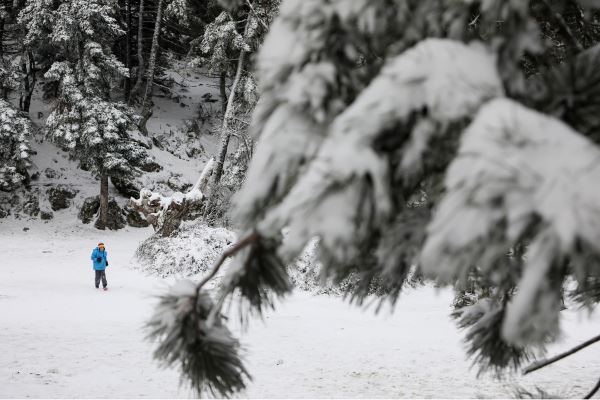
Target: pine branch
[564, 26]
[248, 240]
[256, 15]
[543, 363]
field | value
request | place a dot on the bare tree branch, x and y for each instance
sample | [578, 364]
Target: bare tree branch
[593, 391]
[541, 364]
[233, 250]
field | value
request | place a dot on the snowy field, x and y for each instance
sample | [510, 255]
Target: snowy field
[60, 337]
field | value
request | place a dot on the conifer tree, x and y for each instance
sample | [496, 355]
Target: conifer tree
[15, 151]
[223, 42]
[85, 121]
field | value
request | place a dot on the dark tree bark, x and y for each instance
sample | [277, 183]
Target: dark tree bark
[29, 79]
[222, 83]
[1, 37]
[4, 93]
[140, 55]
[103, 217]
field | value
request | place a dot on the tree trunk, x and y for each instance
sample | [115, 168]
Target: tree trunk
[128, 49]
[4, 93]
[225, 131]
[1, 37]
[29, 78]
[222, 83]
[15, 9]
[147, 99]
[103, 217]
[140, 55]
[25, 87]
[32, 74]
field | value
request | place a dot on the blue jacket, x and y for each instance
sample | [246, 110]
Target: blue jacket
[99, 266]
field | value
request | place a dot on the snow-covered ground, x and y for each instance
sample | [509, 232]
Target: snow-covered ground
[60, 337]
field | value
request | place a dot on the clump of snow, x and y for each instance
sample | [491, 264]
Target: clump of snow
[191, 250]
[348, 179]
[514, 179]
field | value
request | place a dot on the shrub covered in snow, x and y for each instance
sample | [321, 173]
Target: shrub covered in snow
[188, 251]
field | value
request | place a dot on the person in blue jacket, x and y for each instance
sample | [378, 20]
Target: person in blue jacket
[100, 262]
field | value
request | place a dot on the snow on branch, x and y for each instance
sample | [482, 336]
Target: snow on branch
[520, 176]
[346, 188]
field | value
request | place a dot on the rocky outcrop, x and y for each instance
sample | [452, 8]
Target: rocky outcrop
[89, 209]
[151, 166]
[31, 204]
[126, 187]
[51, 173]
[60, 197]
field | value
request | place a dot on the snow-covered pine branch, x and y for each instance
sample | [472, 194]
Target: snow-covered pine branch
[354, 133]
[346, 188]
[303, 86]
[186, 338]
[520, 176]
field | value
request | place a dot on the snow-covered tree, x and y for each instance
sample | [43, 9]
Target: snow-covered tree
[15, 130]
[85, 121]
[418, 134]
[9, 77]
[226, 37]
[223, 41]
[10, 39]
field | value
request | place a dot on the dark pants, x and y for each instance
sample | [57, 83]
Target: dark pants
[101, 275]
